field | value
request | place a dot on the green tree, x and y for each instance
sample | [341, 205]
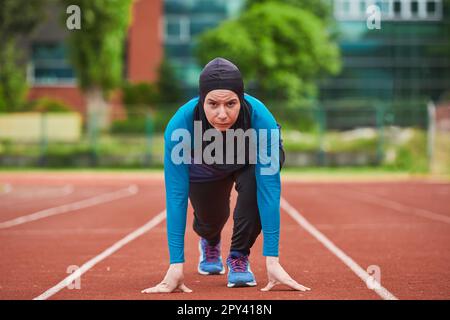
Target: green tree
[17, 19]
[139, 97]
[320, 8]
[167, 85]
[280, 48]
[96, 50]
[144, 95]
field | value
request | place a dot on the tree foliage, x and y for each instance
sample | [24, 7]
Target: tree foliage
[97, 49]
[17, 19]
[167, 85]
[320, 8]
[280, 48]
[143, 95]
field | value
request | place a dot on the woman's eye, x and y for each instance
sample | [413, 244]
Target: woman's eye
[231, 104]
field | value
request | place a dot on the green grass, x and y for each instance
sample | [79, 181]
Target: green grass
[127, 150]
[295, 141]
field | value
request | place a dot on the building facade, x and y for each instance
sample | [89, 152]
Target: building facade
[406, 59]
[51, 75]
[184, 20]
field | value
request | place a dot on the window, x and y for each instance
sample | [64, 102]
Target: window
[177, 29]
[397, 8]
[385, 7]
[49, 64]
[431, 7]
[202, 23]
[345, 6]
[208, 6]
[362, 7]
[414, 8]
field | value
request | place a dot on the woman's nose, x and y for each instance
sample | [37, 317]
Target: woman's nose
[222, 114]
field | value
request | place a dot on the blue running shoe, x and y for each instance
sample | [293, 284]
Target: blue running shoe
[210, 261]
[239, 273]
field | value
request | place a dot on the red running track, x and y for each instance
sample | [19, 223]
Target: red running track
[371, 223]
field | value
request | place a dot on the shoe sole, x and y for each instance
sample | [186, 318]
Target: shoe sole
[241, 284]
[210, 273]
[205, 273]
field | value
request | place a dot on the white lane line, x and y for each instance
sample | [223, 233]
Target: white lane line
[397, 206]
[349, 262]
[106, 197]
[89, 264]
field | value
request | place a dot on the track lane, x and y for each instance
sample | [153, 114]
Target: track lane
[143, 263]
[36, 255]
[412, 252]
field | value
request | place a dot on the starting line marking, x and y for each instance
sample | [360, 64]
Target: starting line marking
[89, 264]
[106, 197]
[349, 262]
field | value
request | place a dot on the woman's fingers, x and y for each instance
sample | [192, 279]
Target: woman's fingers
[287, 281]
[291, 283]
[183, 288]
[295, 285]
[270, 285]
[160, 288]
[165, 288]
[151, 290]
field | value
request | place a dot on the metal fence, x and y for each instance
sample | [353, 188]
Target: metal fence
[320, 135]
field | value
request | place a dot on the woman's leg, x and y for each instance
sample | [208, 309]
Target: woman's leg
[247, 223]
[211, 203]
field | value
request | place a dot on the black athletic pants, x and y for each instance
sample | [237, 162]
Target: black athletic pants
[211, 203]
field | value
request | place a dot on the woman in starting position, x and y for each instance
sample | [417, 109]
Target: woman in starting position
[222, 105]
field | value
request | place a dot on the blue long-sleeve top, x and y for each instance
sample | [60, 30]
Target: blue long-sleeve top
[267, 173]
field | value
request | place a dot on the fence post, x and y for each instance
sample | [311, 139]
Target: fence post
[321, 120]
[380, 110]
[149, 136]
[431, 132]
[44, 140]
[92, 134]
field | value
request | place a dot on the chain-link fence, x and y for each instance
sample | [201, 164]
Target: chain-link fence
[439, 138]
[317, 135]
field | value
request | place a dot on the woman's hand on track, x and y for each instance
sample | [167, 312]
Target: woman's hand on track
[277, 275]
[171, 282]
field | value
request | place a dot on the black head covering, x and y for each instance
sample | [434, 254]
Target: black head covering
[220, 73]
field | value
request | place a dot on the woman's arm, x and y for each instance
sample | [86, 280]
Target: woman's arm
[268, 196]
[176, 178]
[267, 173]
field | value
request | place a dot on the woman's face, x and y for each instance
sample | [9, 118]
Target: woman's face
[222, 108]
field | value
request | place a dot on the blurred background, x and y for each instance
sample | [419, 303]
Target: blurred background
[94, 85]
